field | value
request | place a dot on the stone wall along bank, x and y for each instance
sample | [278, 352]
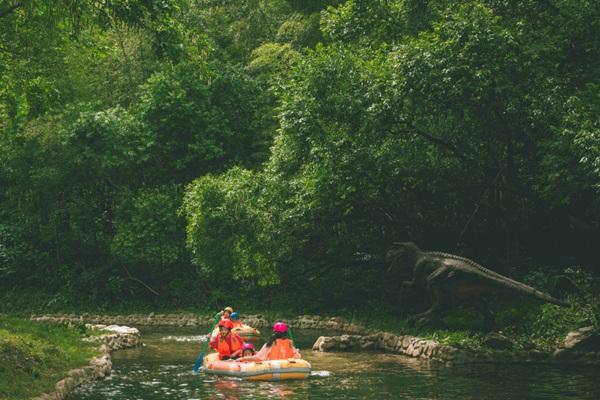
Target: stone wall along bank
[189, 319]
[579, 347]
[115, 338]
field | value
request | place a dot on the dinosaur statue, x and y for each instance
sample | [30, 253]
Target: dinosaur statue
[449, 279]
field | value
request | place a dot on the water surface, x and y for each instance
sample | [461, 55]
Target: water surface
[162, 369]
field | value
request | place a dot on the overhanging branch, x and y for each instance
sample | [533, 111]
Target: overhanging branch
[412, 129]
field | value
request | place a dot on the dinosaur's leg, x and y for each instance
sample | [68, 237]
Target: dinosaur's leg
[433, 316]
[489, 318]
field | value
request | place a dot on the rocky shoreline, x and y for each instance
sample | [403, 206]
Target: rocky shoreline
[116, 338]
[429, 350]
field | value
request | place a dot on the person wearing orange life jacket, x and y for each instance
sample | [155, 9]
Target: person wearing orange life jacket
[279, 346]
[228, 344]
[235, 319]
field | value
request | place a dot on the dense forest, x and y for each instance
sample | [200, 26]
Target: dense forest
[173, 153]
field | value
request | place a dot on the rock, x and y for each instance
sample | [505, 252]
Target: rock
[496, 341]
[368, 345]
[446, 353]
[585, 339]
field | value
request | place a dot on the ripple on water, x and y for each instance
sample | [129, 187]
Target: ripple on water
[321, 374]
[172, 338]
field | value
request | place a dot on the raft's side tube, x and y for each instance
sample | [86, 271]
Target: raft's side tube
[270, 370]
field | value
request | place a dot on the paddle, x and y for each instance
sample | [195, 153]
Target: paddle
[205, 345]
[291, 336]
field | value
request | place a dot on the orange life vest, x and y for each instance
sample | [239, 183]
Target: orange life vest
[281, 349]
[236, 324]
[228, 345]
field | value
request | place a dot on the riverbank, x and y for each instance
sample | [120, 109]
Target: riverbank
[34, 356]
[46, 361]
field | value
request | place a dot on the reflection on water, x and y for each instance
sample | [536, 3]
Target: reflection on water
[162, 370]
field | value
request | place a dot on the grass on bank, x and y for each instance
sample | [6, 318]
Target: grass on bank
[529, 325]
[34, 356]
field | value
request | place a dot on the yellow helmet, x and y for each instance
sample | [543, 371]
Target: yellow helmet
[228, 309]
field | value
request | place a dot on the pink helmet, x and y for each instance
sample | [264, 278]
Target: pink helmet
[248, 346]
[280, 327]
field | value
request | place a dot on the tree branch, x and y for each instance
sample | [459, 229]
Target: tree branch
[132, 278]
[411, 128]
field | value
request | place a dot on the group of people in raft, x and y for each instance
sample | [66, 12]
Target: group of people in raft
[231, 347]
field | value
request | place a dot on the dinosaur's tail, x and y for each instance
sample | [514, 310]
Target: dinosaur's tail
[504, 282]
[546, 297]
[527, 290]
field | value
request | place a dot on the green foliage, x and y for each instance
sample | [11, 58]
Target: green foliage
[214, 210]
[310, 134]
[148, 230]
[107, 142]
[580, 133]
[300, 30]
[175, 106]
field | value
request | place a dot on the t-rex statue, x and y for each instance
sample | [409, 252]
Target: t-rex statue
[449, 279]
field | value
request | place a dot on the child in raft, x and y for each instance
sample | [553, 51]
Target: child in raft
[228, 344]
[248, 350]
[248, 354]
[279, 346]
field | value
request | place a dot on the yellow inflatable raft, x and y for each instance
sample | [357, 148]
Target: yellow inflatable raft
[270, 370]
[246, 332]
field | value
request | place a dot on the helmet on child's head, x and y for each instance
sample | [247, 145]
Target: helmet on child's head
[225, 323]
[248, 346]
[280, 327]
[234, 316]
[228, 309]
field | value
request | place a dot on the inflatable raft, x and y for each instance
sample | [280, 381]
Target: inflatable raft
[270, 370]
[247, 333]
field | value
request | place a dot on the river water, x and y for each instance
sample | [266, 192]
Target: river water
[162, 369]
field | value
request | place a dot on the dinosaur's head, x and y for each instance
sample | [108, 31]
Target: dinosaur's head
[402, 255]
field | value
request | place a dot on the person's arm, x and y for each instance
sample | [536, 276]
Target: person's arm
[263, 352]
[249, 359]
[296, 350]
[238, 352]
[213, 342]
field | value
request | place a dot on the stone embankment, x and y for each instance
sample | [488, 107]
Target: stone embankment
[189, 319]
[116, 338]
[580, 347]
[406, 345]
